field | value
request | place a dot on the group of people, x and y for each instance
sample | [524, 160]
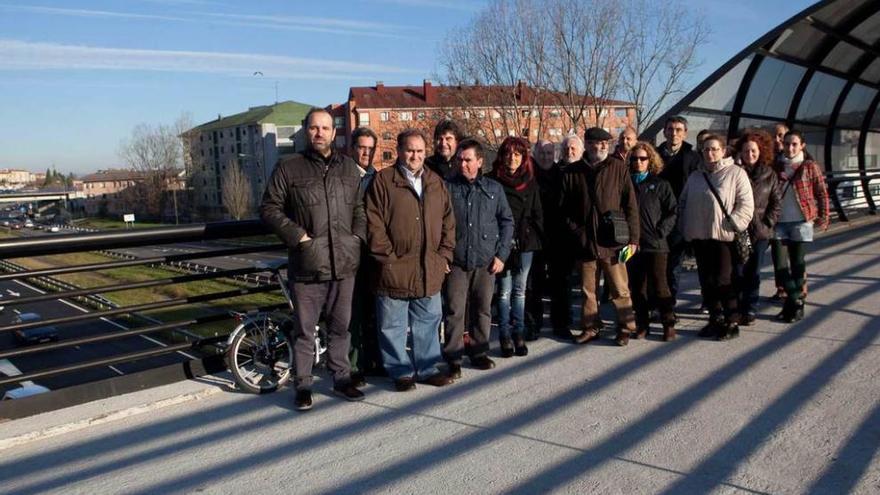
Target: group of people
[406, 264]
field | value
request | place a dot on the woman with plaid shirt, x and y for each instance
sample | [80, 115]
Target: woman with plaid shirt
[804, 207]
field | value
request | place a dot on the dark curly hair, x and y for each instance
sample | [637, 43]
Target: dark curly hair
[765, 145]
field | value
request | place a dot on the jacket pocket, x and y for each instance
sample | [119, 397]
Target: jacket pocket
[312, 258]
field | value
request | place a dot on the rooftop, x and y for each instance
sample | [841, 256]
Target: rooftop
[282, 113]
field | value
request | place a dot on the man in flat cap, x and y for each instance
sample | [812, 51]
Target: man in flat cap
[598, 202]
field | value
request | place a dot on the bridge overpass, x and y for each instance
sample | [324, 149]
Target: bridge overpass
[783, 409]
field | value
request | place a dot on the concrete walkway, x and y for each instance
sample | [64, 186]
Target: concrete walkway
[782, 409]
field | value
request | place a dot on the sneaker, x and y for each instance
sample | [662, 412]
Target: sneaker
[437, 380]
[482, 363]
[303, 400]
[455, 370]
[405, 384]
[348, 392]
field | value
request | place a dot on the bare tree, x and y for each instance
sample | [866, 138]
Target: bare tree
[237, 192]
[662, 58]
[577, 55]
[158, 153]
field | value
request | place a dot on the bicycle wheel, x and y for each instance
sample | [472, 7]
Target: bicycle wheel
[260, 356]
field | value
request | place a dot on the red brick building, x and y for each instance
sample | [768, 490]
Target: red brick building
[489, 112]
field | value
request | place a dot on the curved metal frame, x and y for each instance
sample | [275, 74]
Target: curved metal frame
[834, 35]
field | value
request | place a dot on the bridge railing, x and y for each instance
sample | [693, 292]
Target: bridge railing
[202, 354]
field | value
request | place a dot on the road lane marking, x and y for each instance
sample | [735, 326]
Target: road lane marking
[114, 368]
[123, 327]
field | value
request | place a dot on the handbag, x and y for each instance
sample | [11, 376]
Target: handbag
[741, 240]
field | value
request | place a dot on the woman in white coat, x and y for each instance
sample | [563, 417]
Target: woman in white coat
[703, 223]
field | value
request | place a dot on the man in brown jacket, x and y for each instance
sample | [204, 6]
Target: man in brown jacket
[411, 234]
[593, 190]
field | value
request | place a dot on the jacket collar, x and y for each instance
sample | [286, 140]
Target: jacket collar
[428, 176]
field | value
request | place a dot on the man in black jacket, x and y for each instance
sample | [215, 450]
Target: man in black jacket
[446, 137]
[313, 203]
[679, 160]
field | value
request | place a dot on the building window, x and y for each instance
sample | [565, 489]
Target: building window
[497, 132]
[481, 132]
[386, 155]
[467, 115]
[481, 114]
[387, 135]
[383, 116]
[404, 116]
[495, 114]
[221, 134]
[201, 138]
[338, 122]
[554, 131]
[603, 112]
[420, 116]
[525, 114]
[620, 113]
[340, 141]
[555, 113]
[363, 118]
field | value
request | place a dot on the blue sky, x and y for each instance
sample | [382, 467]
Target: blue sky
[77, 76]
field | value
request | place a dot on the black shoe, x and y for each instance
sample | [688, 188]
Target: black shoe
[711, 330]
[729, 331]
[303, 400]
[437, 380]
[562, 333]
[519, 347]
[455, 370]
[404, 384]
[748, 319]
[482, 363]
[506, 348]
[532, 335]
[358, 380]
[798, 313]
[348, 392]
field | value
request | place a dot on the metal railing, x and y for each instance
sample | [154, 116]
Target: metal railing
[100, 307]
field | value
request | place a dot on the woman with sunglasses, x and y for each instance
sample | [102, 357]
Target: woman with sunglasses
[647, 269]
[718, 190]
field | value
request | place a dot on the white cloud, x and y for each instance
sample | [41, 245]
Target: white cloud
[22, 55]
[289, 23]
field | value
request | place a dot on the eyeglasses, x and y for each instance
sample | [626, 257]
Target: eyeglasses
[638, 158]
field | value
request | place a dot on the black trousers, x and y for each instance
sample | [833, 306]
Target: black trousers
[467, 301]
[364, 353]
[648, 287]
[310, 299]
[561, 267]
[537, 286]
[715, 267]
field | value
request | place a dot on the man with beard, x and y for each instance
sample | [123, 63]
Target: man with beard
[593, 190]
[313, 203]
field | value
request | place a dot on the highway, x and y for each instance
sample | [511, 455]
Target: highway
[42, 360]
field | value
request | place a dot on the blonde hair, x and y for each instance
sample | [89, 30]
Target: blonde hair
[655, 163]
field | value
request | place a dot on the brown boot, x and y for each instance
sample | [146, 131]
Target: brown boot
[587, 336]
[668, 333]
[622, 338]
[641, 333]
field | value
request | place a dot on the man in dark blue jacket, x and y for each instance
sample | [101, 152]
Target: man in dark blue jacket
[483, 235]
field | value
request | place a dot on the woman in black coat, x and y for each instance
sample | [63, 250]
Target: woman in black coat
[647, 269]
[514, 169]
[755, 151]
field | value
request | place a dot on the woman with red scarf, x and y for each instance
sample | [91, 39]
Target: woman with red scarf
[514, 169]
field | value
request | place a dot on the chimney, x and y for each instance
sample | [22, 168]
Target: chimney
[430, 92]
[519, 89]
[380, 87]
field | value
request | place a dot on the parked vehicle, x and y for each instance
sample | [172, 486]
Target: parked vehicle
[37, 335]
[54, 228]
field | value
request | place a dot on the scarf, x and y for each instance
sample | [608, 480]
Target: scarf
[639, 177]
[790, 165]
[518, 180]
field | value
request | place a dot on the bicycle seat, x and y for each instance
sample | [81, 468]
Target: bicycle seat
[272, 266]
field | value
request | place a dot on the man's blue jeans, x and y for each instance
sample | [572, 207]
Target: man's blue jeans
[512, 297]
[422, 317]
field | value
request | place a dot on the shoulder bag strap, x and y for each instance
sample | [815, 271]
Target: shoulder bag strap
[720, 203]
